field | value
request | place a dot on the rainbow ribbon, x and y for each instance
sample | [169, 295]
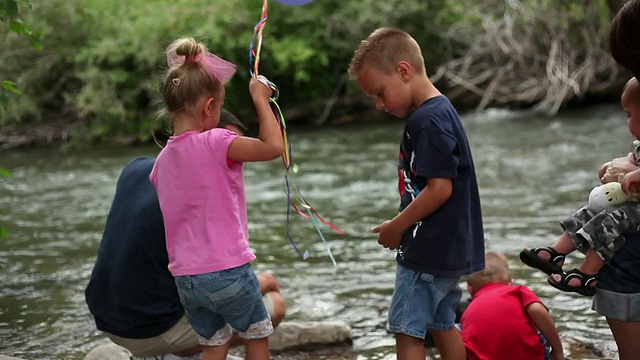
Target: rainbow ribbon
[303, 208]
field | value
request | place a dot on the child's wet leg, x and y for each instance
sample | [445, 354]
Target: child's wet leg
[257, 349]
[215, 352]
[410, 348]
[449, 343]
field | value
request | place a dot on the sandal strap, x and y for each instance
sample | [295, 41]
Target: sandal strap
[554, 256]
[585, 279]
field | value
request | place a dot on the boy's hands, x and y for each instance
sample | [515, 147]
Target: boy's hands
[610, 171]
[259, 89]
[390, 237]
[631, 183]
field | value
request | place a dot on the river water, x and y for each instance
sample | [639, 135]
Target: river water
[532, 172]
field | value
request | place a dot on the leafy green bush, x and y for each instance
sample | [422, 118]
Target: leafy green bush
[103, 60]
[9, 16]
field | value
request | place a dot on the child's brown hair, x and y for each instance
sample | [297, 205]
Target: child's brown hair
[496, 270]
[384, 48]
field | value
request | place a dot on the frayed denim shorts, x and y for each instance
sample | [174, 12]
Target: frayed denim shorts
[217, 303]
[422, 301]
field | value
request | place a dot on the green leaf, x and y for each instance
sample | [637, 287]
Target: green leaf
[3, 233]
[9, 86]
[16, 26]
[9, 7]
[36, 44]
[5, 172]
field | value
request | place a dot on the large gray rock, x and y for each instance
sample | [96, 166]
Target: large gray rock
[289, 335]
[4, 357]
[109, 351]
[296, 335]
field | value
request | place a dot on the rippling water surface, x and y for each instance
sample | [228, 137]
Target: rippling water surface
[532, 172]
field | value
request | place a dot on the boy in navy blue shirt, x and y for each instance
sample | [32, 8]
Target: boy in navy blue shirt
[438, 233]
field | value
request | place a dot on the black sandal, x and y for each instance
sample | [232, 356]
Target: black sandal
[586, 288]
[551, 266]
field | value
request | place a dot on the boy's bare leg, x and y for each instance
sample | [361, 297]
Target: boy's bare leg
[215, 352]
[626, 337]
[450, 345]
[564, 244]
[257, 349]
[592, 263]
[410, 348]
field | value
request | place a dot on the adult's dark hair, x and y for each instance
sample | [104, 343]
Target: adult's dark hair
[624, 37]
[227, 118]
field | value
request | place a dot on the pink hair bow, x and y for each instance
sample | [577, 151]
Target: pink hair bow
[219, 68]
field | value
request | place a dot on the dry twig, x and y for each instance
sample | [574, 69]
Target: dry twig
[527, 56]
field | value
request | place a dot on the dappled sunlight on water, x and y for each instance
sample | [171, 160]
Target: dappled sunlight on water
[532, 172]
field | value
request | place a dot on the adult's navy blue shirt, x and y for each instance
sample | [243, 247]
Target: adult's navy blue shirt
[450, 241]
[131, 293]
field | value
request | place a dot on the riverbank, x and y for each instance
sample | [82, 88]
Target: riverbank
[67, 132]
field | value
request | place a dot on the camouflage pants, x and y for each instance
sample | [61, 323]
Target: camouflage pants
[603, 231]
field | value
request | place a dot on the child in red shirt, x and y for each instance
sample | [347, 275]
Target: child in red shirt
[505, 321]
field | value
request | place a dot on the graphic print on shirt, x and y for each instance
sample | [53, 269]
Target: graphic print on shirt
[408, 188]
[405, 187]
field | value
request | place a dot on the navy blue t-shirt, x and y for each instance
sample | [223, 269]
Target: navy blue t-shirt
[131, 292]
[450, 241]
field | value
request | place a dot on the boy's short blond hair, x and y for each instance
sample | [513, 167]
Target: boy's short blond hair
[496, 270]
[384, 48]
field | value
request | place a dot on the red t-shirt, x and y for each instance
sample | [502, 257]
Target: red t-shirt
[496, 326]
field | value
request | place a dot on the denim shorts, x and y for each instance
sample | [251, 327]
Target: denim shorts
[218, 303]
[618, 294]
[422, 301]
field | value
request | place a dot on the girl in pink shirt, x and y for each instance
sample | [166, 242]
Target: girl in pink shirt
[199, 180]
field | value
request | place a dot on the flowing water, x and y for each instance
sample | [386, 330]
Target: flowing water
[532, 172]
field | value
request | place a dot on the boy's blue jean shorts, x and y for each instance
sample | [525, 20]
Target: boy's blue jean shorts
[422, 301]
[219, 302]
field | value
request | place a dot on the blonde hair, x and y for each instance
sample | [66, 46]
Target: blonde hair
[187, 83]
[496, 270]
[384, 48]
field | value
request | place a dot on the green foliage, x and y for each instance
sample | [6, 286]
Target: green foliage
[9, 16]
[103, 60]
[7, 86]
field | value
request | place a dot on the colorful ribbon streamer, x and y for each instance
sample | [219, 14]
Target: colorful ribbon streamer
[303, 208]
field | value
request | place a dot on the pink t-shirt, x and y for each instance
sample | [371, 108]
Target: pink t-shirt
[203, 203]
